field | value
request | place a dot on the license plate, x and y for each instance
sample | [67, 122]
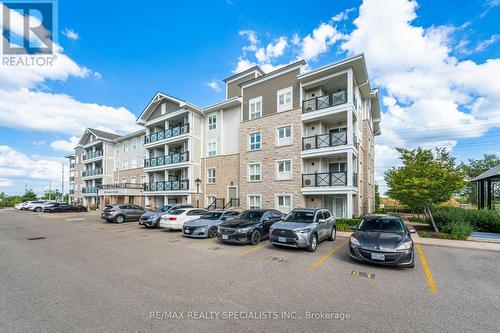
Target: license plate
[282, 239]
[378, 256]
[225, 237]
[186, 231]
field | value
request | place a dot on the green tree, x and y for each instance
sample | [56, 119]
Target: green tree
[424, 179]
[29, 195]
[377, 198]
[473, 169]
[51, 195]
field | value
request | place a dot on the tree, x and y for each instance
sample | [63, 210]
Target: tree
[51, 195]
[473, 169]
[377, 198]
[424, 179]
[29, 195]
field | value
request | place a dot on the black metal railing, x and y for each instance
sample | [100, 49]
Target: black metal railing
[218, 203]
[168, 133]
[325, 101]
[92, 154]
[71, 179]
[135, 186]
[324, 140]
[89, 189]
[169, 185]
[321, 179]
[72, 165]
[233, 202]
[92, 172]
[166, 159]
[355, 179]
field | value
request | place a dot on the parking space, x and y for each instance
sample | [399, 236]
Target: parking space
[133, 271]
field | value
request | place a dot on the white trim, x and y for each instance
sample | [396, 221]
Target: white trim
[237, 191]
[208, 148]
[212, 115]
[248, 172]
[208, 177]
[290, 176]
[270, 76]
[254, 195]
[277, 137]
[254, 101]
[276, 203]
[249, 143]
[286, 106]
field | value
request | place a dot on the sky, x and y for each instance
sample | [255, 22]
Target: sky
[435, 63]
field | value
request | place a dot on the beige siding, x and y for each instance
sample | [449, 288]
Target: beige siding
[233, 88]
[268, 90]
[171, 107]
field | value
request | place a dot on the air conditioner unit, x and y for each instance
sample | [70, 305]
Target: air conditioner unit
[308, 146]
[307, 182]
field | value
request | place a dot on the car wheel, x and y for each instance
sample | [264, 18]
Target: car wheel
[255, 238]
[313, 243]
[120, 219]
[333, 233]
[212, 232]
[37, 209]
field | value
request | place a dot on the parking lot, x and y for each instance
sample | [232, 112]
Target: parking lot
[74, 272]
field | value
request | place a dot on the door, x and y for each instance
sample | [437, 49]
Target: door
[267, 221]
[337, 172]
[339, 208]
[322, 226]
[338, 136]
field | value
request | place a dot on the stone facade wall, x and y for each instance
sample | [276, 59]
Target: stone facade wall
[227, 173]
[367, 188]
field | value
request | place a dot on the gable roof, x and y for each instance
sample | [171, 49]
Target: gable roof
[103, 135]
[491, 173]
[243, 73]
[271, 74]
[156, 100]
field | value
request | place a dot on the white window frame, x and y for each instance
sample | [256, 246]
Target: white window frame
[209, 196]
[286, 140]
[256, 113]
[286, 105]
[284, 175]
[250, 141]
[211, 153]
[254, 174]
[284, 208]
[143, 179]
[249, 203]
[211, 179]
[212, 122]
[134, 143]
[125, 146]
[133, 163]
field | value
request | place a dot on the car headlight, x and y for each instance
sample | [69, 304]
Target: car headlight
[302, 231]
[354, 241]
[404, 246]
[244, 230]
[218, 229]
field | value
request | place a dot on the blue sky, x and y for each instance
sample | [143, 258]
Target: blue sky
[116, 55]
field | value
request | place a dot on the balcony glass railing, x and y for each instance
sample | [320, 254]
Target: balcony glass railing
[168, 133]
[92, 154]
[324, 179]
[166, 160]
[92, 172]
[171, 185]
[89, 189]
[324, 140]
[325, 101]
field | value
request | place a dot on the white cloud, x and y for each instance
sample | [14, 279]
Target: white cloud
[39, 143]
[342, 16]
[272, 51]
[65, 145]
[4, 182]
[71, 34]
[214, 85]
[319, 42]
[462, 49]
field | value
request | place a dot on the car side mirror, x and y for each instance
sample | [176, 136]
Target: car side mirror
[353, 227]
[223, 218]
[321, 221]
[413, 231]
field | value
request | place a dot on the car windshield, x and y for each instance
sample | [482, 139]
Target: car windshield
[250, 215]
[163, 209]
[381, 225]
[300, 217]
[211, 216]
[176, 212]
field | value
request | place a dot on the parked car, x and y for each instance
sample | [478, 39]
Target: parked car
[382, 239]
[19, 206]
[25, 205]
[36, 206]
[304, 228]
[150, 219]
[174, 219]
[47, 205]
[250, 227]
[121, 213]
[64, 208]
[206, 225]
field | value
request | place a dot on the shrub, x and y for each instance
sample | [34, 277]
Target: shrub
[448, 218]
[346, 224]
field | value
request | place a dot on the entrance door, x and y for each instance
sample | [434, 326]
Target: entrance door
[337, 172]
[335, 205]
[232, 192]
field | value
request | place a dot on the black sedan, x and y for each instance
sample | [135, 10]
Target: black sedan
[382, 239]
[250, 227]
[65, 209]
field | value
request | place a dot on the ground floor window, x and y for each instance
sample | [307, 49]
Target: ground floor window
[254, 202]
[210, 199]
[284, 203]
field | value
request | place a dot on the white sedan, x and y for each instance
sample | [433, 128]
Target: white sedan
[175, 219]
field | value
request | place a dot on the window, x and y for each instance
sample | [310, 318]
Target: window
[134, 143]
[117, 165]
[284, 170]
[284, 135]
[254, 172]
[143, 179]
[255, 108]
[125, 146]
[210, 199]
[211, 176]
[212, 122]
[254, 202]
[132, 180]
[254, 141]
[284, 203]
[212, 148]
[124, 180]
[285, 99]
[163, 109]
[133, 164]
[124, 164]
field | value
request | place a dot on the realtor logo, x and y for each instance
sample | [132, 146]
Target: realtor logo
[28, 27]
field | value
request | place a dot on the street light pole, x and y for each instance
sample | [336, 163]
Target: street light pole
[197, 182]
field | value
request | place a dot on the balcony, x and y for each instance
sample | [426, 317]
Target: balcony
[169, 133]
[92, 154]
[134, 186]
[71, 192]
[71, 179]
[325, 101]
[166, 160]
[92, 172]
[324, 140]
[72, 165]
[324, 179]
[172, 185]
[89, 189]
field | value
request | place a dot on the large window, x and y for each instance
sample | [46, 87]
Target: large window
[285, 99]
[284, 169]
[125, 146]
[254, 172]
[284, 135]
[255, 108]
[210, 199]
[134, 143]
[211, 176]
[212, 122]
[254, 202]
[212, 148]
[284, 203]
[254, 141]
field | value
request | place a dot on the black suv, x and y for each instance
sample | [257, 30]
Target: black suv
[251, 226]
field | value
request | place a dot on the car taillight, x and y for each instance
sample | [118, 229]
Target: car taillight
[172, 218]
[108, 210]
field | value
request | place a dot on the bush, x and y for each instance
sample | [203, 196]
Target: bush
[463, 220]
[346, 224]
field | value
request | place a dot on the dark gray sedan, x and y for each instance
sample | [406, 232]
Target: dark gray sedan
[382, 239]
